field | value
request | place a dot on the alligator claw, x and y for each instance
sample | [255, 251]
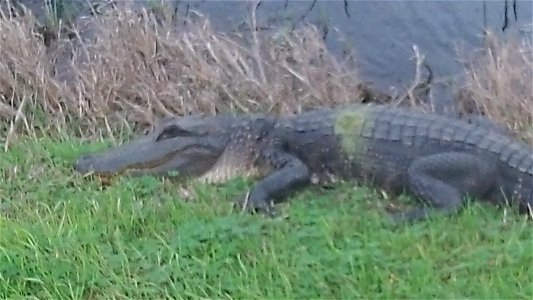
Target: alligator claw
[398, 218]
[411, 216]
[245, 204]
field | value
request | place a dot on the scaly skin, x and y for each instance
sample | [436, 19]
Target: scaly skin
[438, 160]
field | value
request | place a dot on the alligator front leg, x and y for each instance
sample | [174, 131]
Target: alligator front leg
[443, 180]
[289, 174]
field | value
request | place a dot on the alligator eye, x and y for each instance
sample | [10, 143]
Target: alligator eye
[172, 132]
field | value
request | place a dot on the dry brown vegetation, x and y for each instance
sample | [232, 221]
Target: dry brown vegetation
[139, 65]
[136, 65]
[499, 83]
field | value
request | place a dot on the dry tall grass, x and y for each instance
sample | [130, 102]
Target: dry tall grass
[136, 65]
[133, 64]
[499, 83]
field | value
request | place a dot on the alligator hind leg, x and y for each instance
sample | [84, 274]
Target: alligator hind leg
[443, 180]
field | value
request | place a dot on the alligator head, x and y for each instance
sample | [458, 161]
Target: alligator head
[187, 145]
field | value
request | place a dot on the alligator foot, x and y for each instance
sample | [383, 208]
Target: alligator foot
[251, 205]
[416, 214]
[290, 174]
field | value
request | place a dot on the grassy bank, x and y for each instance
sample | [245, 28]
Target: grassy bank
[64, 92]
[65, 236]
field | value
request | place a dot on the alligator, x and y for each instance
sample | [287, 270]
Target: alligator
[441, 161]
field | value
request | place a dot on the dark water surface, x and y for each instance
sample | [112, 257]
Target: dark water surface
[381, 33]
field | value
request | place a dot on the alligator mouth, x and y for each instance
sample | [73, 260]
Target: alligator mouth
[169, 157]
[151, 165]
[138, 167]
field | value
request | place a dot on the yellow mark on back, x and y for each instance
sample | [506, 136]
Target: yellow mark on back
[348, 126]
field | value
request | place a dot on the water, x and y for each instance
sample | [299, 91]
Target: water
[383, 33]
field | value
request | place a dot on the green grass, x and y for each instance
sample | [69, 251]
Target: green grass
[65, 236]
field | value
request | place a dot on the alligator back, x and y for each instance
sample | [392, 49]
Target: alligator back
[378, 143]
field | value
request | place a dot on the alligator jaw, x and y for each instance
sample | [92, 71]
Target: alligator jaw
[191, 154]
[144, 157]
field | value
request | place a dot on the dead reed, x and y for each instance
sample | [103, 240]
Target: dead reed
[139, 64]
[499, 83]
